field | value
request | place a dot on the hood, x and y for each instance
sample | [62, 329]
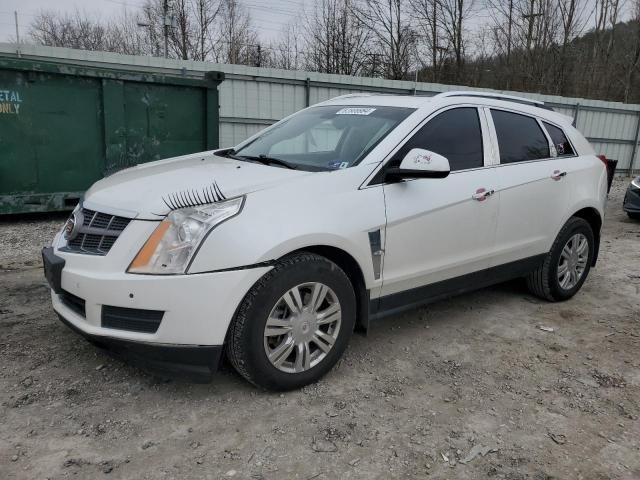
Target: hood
[146, 190]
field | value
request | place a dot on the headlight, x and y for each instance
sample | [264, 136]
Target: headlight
[636, 182]
[173, 243]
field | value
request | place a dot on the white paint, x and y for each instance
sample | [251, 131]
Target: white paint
[421, 159]
[432, 229]
[356, 111]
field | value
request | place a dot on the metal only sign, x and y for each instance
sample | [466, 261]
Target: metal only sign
[10, 101]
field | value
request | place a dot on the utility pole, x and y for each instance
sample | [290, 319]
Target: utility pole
[375, 64]
[509, 34]
[15, 16]
[433, 25]
[167, 23]
[531, 18]
[509, 25]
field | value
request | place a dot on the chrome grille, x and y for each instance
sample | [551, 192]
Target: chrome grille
[98, 233]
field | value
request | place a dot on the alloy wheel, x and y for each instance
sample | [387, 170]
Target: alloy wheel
[302, 327]
[573, 261]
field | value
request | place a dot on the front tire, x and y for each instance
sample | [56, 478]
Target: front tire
[294, 324]
[634, 215]
[567, 264]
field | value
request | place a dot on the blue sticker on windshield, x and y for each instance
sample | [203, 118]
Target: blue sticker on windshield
[338, 165]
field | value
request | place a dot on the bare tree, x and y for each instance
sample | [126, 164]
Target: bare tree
[287, 52]
[392, 32]
[453, 15]
[606, 13]
[123, 35]
[151, 16]
[525, 36]
[194, 33]
[573, 19]
[335, 40]
[182, 32]
[543, 52]
[68, 30]
[189, 33]
[237, 39]
[206, 13]
[78, 30]
[502, 33]
[629, 60]
[428, 14]
[567, 47]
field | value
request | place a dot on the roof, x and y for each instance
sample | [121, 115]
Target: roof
[491, 99]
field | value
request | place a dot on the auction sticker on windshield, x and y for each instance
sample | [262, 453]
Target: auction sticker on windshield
[355, 111]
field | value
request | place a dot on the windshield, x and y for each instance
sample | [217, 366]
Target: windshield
[325, 138]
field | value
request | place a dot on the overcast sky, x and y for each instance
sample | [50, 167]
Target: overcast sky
[270, 16]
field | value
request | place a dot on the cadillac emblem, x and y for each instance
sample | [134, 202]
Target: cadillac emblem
[72, 226]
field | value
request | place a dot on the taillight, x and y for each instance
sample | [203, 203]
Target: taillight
[603, 159]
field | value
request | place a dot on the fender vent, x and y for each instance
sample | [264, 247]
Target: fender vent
[375, 242]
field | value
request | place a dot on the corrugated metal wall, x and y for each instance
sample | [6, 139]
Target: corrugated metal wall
[252, 98]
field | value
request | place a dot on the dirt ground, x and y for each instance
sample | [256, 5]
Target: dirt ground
[416, 398]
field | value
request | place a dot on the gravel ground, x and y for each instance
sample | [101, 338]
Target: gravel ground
[467, 388]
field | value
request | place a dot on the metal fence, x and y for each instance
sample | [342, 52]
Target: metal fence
[252, 98]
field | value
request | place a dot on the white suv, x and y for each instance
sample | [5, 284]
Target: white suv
[355, 208]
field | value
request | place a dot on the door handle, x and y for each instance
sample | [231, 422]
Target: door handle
[557, 175]
[482, 194]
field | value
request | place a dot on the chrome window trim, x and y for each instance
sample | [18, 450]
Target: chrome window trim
[552, 148]
[495, 161]
[524, 162]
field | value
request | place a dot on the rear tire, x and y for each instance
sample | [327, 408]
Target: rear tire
[634, 215]
[567, 265]
[281, 337]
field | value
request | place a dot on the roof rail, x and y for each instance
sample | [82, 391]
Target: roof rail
[355, 95]
[493, 95]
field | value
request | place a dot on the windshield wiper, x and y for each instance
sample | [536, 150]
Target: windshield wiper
[231, 154]
[266, 160]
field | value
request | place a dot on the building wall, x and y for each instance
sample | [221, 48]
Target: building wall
[252, 98]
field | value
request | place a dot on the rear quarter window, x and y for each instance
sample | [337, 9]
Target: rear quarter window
[559, 139]
[520, 137]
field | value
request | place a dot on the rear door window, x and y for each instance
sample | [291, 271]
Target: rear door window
[559, 139]
[455, 134]
[520, 137]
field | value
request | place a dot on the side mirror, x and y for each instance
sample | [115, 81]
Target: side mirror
[419, 163]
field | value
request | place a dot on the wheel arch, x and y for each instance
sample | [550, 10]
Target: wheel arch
[352, 268]
[594, 219]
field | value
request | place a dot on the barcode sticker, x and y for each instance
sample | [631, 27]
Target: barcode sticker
[355, 111]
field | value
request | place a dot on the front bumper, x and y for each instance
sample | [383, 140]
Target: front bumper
[631, 203]
[194, 362]
[195, 310]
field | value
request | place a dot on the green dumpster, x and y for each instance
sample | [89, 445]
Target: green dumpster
[62, 127]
